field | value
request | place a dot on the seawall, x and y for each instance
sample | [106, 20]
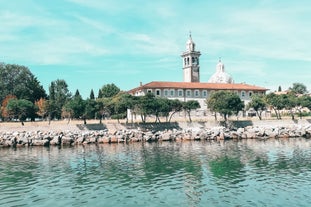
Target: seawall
[74, 133]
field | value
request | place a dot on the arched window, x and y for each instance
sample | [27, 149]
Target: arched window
[180, 93]
[172, 92]
[187, 61]
[243, 94]
[250, 94]
[188, 93]
[204, 93]
[197, 93]
[166, 92]
[158, 92]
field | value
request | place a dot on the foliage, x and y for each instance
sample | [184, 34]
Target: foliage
[103, 108]
[298, 88]
[305, 101]
[21, 109]
[75, 107]
[225, 103]
[77, 93]
[188, 106]
[4, 112]
[90, 109]
[59, 95]
[92, 96]
[145, 105]
[109, 90]
[175, 106]
[283, 101]
[17, 80]
[258, 104]
[42, 106]
[274, 101]
[119, 105]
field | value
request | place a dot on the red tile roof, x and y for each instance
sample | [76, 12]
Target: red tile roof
[208, 86]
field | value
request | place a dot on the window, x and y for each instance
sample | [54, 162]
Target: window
[149, 91]
[172, 93]
[204, 93]
[165, 92]
[180, 93]
[196, 93]
[188, 93]
[243, 93]
[158, 92]
[250, 94]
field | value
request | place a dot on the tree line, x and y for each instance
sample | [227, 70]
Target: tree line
[22, 97]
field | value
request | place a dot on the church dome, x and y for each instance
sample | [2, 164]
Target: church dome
[220, 76]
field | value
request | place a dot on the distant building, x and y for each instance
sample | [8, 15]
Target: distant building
[191, 88]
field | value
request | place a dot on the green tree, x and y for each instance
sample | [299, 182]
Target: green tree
[77, 93]
[119, 105]
[289, 101]
[175, 106]
[188, 106]
[75, 107]
[90, 109]
[59, 95]
[109, 90]
[104, 108]
[303, 101]
[164, 108]
[276, 103]
[92, 96]
[225, 102]
[144, 105]
[17, 80]
[258, 104]
[298, 88]
[21, 109]
[100, 94]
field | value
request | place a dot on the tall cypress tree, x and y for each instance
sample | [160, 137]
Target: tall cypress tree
[92, 96]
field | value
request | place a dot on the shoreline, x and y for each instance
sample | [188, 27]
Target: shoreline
[62, 133]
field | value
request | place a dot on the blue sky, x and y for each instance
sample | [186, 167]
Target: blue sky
[90, 43]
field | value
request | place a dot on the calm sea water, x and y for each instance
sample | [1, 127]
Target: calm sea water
[231, 173]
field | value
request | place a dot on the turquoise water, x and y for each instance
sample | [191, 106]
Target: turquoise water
[231, 173]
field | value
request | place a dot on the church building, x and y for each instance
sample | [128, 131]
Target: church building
[191, 88]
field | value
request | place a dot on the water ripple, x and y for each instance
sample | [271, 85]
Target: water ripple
[247, 173]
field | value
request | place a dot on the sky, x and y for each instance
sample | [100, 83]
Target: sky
[90, 43]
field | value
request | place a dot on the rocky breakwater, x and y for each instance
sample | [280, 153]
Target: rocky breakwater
[69, 138]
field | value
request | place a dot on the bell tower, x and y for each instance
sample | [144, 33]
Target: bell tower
[191, 66]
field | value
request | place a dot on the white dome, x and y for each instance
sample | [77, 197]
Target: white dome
[220, 76]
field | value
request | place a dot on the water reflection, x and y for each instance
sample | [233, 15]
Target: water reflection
[164, 173]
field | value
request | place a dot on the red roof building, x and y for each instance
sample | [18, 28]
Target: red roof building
[191, 88]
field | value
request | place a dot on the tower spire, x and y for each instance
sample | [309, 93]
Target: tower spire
[191, 66]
